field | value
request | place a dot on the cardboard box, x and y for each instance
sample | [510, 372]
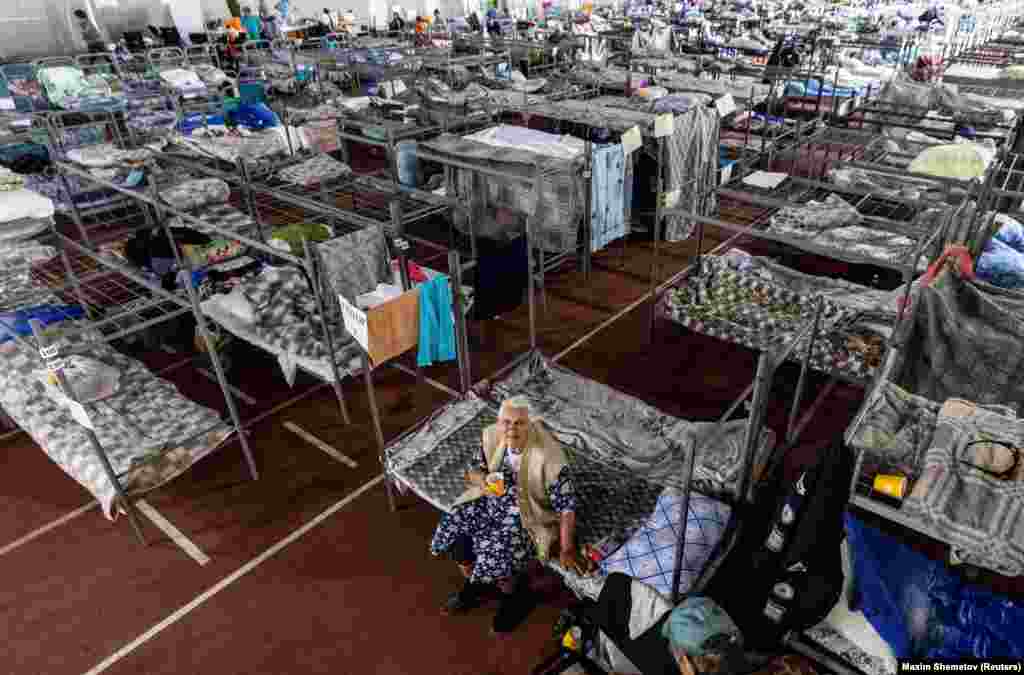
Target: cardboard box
[387, 330]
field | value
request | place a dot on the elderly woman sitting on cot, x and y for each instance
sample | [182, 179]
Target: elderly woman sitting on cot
[519, 504]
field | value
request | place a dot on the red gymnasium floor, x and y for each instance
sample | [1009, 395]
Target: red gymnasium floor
[308, 571]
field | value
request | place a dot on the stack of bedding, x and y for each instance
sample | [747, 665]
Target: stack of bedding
[68, 88]
[230, 146]
[23, 213]
[186, 83]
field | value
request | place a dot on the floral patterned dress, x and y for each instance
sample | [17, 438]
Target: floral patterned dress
[502, 547]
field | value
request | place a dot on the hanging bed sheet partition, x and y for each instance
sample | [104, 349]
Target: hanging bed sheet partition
[556, 207]
[688, 164]
[944, 414]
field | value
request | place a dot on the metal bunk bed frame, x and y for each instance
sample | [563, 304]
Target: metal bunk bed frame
[794, 192]
[150, 304]
[279, 199]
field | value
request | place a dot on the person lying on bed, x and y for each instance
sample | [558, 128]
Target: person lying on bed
[497, 528]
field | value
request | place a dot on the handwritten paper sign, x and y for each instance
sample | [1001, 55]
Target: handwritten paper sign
[632, 141]
[355, 323]
[670, 199]
[664, 125]
[725, 105]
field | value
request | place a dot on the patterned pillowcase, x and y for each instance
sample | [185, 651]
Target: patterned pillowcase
[650, 554]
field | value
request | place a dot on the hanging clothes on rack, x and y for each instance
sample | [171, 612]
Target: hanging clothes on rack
[607, 196]
[501, 277]
[437, 324]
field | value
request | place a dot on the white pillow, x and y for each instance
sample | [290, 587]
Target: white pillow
[21, 204]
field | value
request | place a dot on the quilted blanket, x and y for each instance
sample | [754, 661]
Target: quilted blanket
[765, 311]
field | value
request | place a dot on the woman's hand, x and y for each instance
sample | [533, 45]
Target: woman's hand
[570, 561]
[476, 479]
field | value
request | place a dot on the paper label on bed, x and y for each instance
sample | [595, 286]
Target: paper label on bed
[288, 367]
[355, 323]
[765, 179]
[726, 173]
[726, 105]
[79, 413]
[632, 140]
[664, 125]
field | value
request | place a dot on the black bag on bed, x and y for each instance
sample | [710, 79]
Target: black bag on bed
[785, 572]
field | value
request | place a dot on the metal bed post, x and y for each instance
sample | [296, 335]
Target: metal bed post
[677, 572]
[588, 223]
[540, 248]
[56, 367]
[218, 369]
[461, 332]
[804, 368]
[314, 277]
[250, 199]
[371, 395]
[656, 233]
[531, 303]
[766, 366]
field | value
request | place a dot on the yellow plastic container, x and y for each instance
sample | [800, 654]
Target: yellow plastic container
[891, 486]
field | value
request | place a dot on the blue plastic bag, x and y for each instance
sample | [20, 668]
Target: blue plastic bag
[255, 116]
[1001, 265]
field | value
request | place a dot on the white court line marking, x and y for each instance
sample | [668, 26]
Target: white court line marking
[249, 400]
[176, 535]
[317, 443]
[35, 534]
[230, 579]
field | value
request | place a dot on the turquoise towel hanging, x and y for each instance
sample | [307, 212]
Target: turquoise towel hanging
[437, 325]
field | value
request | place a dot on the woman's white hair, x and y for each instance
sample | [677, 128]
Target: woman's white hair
[518, 403]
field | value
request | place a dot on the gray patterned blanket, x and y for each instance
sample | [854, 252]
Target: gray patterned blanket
[557, 209]
[623, 452]
[963, 343]
[979, 515]
[150, 432]
[966, 341]
[284, 321]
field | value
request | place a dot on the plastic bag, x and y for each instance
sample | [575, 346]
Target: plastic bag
[1001, 265]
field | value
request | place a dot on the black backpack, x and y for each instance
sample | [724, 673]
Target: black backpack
[785, 571]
